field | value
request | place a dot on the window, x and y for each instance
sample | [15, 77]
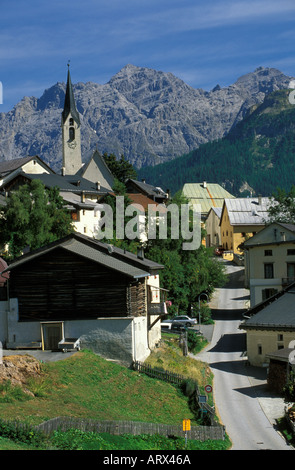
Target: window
[267, 293]
[291, 270]
[280, 337]
[72, 133]
[259, 349]
[291, 251]
[71, 121]
[75, 216]
[268, 271]
[267, 252]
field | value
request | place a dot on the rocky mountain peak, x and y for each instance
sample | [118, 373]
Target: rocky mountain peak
[149, 116]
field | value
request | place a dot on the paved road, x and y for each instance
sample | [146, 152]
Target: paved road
[238, 387]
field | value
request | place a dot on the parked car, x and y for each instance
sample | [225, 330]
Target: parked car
[184, 320]
[219, 251]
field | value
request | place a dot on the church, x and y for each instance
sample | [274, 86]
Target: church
[96, 170]
[83, 186]
[78, 291]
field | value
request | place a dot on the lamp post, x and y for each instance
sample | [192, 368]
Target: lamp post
[199, 300]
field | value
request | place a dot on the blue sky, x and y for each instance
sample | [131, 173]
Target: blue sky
[201, 42]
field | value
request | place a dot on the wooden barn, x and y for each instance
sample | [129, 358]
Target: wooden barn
[80, 288]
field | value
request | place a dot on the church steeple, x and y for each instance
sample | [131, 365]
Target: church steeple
[71, 136]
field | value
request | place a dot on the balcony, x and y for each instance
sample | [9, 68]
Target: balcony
[286, 281]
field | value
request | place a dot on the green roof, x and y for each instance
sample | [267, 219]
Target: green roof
[206, 194]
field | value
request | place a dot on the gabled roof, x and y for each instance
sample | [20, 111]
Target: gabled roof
[112, 257]
[97, 170]
[8, 166]
[206, 194]
[272, 235]
[148, 189]
[276, 312]
[216, 210]
[247, 211]
[145, 202]
[61, 182]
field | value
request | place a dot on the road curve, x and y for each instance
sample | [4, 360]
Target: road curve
[236, 399]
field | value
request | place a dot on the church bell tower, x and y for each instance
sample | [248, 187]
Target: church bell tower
[71, 133]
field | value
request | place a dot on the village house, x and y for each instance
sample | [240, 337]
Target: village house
[270, 326]
[77, 288]
[212, 226]
[269, 258]
[82, 200]
[155, 193]
[241, 218]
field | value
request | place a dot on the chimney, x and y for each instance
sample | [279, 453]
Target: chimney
[140, 252]
[204, 184]
[260, 199]
[98, 185]
[82, 196]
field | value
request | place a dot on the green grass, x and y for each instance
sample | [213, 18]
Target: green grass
[87, 386]
[9, 444]
[79, 440]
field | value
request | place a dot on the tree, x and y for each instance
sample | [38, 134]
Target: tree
[121, 169]
[187, 273]
[33, 217]
[282, 208]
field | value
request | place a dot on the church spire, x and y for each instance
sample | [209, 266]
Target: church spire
[71, 134]
[70, 105]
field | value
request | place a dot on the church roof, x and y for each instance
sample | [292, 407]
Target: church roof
[7, 166]
[70, 105]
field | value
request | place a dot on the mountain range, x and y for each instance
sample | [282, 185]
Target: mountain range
[149, 116]
[257, 156]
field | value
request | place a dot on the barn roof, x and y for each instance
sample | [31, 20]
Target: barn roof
[112, 257]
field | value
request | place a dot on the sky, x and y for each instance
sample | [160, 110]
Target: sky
[204, 43]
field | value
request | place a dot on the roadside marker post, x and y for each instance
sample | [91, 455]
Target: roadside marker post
[186, 426]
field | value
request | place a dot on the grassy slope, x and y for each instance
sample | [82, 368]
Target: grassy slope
[85, 385]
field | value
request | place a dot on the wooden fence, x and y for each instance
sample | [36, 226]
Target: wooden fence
[200, 433]
[177, 379]
[159, 374]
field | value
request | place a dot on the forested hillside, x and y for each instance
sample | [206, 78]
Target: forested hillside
[256, 157]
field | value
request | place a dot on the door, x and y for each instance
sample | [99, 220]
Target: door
[52, 334]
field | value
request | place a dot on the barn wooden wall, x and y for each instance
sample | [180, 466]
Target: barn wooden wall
[62, 286]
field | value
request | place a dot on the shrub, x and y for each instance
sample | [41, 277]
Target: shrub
[22, 432]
